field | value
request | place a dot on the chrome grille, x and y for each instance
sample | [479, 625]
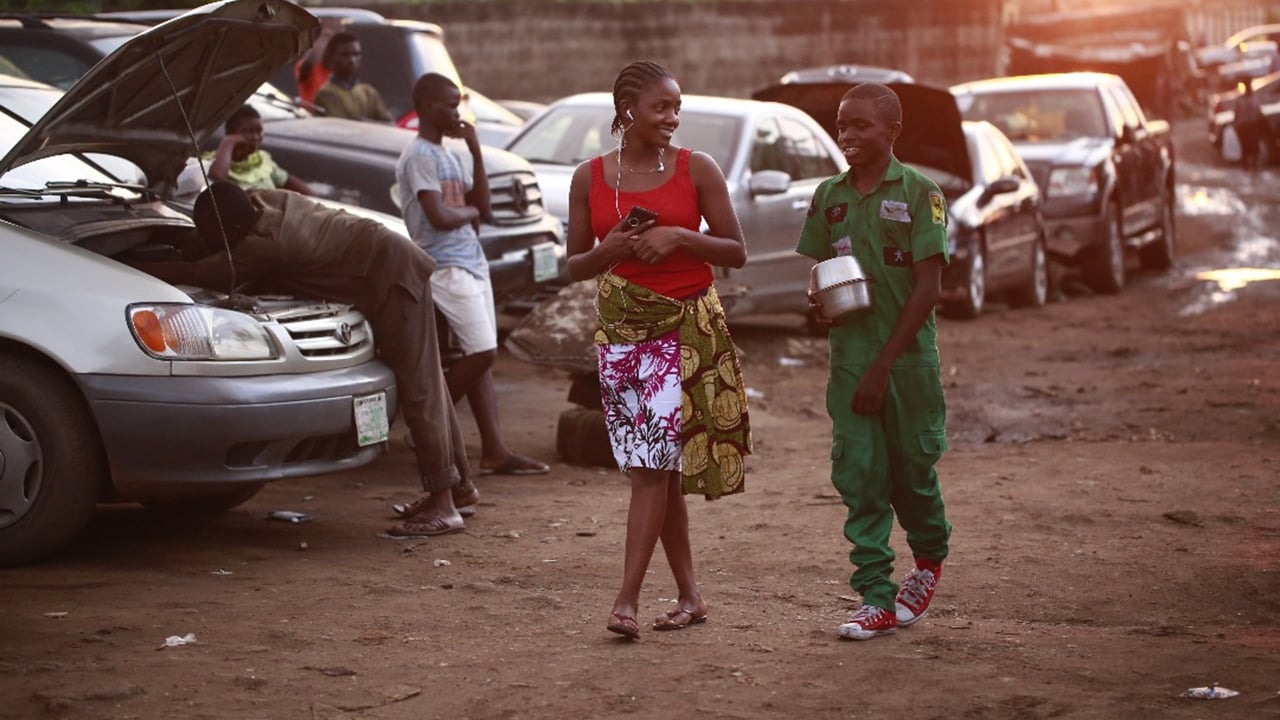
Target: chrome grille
[515, 198]
[326, 330]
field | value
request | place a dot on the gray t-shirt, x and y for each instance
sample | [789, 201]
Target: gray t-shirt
[425, 165]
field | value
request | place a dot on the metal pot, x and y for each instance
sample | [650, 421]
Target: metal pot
[841, 286]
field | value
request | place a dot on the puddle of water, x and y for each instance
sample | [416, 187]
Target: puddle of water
[1204, 200]
[1229, 279]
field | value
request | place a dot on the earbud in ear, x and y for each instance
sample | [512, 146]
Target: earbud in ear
[629, 117]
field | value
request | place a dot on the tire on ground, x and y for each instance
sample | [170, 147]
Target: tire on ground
[54, 468]
[583, 439]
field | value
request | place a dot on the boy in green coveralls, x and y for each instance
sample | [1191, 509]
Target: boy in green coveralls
[884, 392]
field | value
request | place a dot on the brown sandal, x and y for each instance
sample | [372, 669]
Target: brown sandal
[668, 620]
[624, 625]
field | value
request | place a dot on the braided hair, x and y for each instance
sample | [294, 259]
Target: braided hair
[631, 80]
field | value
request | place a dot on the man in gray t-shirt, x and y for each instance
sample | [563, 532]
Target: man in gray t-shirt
[443, 197]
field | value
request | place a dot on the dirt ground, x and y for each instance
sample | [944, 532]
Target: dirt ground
[1113, 480]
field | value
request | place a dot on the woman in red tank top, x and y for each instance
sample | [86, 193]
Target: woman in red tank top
[661, 332]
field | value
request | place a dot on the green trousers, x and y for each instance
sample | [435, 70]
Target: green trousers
[882, 465]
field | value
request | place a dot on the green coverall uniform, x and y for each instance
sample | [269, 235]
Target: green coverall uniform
[883, 464]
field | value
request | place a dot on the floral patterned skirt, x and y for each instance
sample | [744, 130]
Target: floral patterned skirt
[640, 387]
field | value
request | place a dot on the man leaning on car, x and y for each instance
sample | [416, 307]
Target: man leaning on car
[283, 241]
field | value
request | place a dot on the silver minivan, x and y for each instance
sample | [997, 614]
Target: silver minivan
[115, 385]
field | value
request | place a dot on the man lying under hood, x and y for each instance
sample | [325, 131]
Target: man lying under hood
[282, 241]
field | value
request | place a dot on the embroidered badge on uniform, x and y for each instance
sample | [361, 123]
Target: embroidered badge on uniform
[895, 257]
[843, 246]
[895, 211]
[836, 213]
[938, 207]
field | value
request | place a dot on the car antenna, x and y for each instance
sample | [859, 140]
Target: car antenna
[217, 212]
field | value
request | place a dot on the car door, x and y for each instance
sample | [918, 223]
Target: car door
[1133, 161]
[776, 276]
[1022, 220]
[997, 211]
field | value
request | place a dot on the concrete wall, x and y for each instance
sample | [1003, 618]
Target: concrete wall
[542, 50]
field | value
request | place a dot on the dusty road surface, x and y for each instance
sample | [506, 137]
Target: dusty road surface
[1114, 482]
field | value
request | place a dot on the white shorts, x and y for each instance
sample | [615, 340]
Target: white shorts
[467, 303]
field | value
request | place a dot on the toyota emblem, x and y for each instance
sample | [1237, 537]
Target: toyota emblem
[343, 334]
[519, 196]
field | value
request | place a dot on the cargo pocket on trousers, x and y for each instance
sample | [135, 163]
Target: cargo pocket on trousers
[933, 443]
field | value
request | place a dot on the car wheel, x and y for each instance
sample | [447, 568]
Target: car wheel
[1159, 254]
[205, 503]
[1104, 262]
[1035, 292]
[975, 288]
[52, 468]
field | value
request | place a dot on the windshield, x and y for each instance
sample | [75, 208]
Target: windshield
[433, 57]
[1039, 115]
[108, 45]
[486, 110]
[569, 135]
[20, 107]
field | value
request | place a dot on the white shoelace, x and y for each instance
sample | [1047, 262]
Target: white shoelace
[866, 612]
[915, 587]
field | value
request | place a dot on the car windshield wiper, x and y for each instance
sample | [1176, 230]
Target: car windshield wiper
[94, 188]
[82, 188]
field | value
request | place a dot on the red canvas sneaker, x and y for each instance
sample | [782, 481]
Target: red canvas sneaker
[916, 592]
[867, 623]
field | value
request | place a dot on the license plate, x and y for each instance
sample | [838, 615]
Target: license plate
[371, 419]
[546, 265]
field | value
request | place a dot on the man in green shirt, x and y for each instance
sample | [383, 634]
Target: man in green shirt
[884, 392]
[344, 96]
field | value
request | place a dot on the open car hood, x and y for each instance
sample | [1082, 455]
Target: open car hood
[216, 56]
[931, 131]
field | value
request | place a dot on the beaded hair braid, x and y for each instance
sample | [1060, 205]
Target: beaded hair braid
[631, 80]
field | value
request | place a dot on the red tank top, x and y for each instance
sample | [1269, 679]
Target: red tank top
[681, 274]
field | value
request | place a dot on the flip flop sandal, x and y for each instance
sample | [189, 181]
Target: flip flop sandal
[624, 625]
[408, 509]
[517, 465]
[415, 530]
[667, 620]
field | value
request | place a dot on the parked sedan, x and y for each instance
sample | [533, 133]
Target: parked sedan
[997, 234]
[115, 385]
[773, 157]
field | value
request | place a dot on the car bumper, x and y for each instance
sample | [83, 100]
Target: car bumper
[1072, 225]
[955, 276]
[510, 252]
[176, 430]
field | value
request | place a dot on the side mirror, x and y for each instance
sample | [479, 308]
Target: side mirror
[1001, 186]
[769, 182]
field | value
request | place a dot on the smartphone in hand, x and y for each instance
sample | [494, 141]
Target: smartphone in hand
[639, 215]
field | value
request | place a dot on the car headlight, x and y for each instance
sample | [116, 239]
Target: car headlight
[1072, 181]
[195, 332]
